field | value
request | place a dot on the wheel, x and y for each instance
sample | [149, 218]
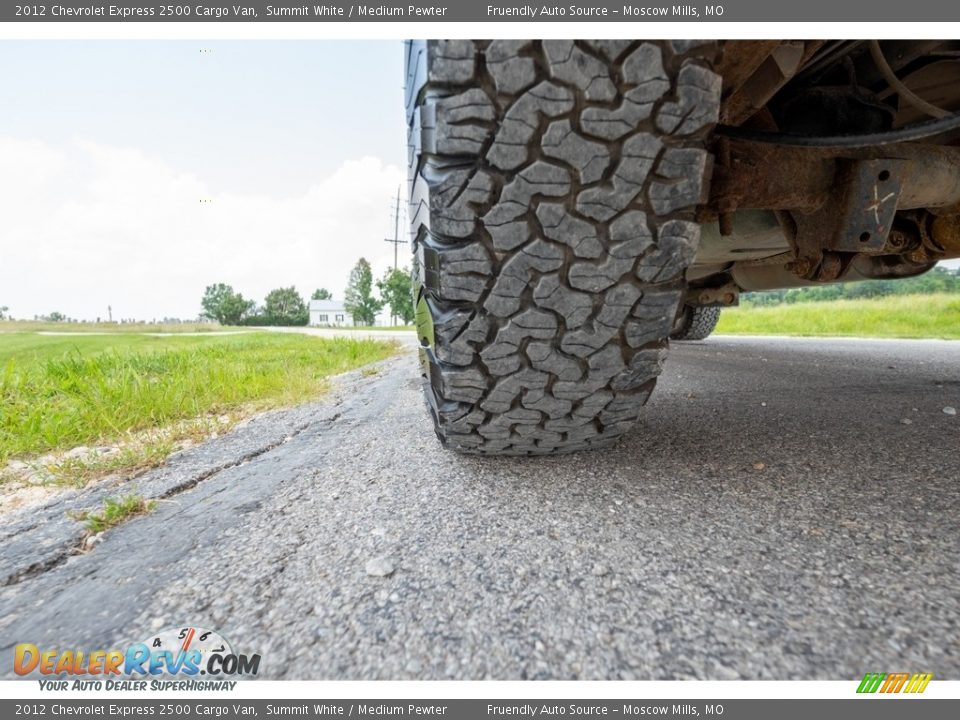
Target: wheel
[552, 194]
[695, 323]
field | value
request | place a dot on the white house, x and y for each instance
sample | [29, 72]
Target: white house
[330, 313]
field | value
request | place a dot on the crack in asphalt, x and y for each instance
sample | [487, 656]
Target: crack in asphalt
[68, 551]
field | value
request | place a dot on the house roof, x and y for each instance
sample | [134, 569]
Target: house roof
[327, 306]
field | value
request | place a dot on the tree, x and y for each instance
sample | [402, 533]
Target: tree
[396, 290]
[3, 312]
[358, 299]
[257, 317]
[227, 307]
[285, 306]
[321, 294]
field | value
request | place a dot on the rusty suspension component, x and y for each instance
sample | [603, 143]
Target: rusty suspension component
[773, 177]
[836, 206]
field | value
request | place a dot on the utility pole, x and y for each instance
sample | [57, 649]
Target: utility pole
[397, 242]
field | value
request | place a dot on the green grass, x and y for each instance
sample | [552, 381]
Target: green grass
[89, 327]
[897, 316]
[115, 511]
[60, 392]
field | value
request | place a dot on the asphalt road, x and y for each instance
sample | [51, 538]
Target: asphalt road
[773, 516]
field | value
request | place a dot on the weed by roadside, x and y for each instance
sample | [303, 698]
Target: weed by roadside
[115, 510]
[134, 452]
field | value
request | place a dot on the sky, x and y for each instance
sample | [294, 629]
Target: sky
[134, 174]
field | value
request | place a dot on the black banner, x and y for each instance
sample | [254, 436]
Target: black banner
[419, 11]
[874, 708]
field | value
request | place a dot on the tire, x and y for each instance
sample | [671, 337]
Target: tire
[553, 186]
[695, 323]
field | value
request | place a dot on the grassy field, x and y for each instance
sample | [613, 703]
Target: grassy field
[146, 393]
[8, 326]
[899, 316]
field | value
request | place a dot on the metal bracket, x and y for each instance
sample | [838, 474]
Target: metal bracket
[869, 204]
[857, 219]
[725, 296]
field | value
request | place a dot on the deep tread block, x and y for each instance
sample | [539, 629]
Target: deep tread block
[638, 156]
[511, 146]
[560, 226]
[511, 72]
[697, 105]
[590, 158]
[572, 65]
[457, 125]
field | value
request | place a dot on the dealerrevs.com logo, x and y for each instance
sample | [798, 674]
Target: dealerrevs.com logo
[172, 660]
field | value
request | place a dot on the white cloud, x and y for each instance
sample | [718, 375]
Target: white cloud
[88, 225]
